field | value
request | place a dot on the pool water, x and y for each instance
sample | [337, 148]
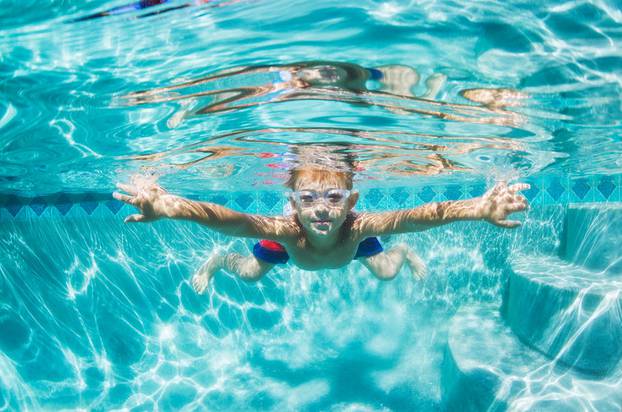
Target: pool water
[96, 314]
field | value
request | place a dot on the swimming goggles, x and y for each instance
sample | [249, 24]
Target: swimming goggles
[331, 197]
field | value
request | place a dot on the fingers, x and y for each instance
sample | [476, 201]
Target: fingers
[515, 188]
[135, 218]
[508, 224]
[123, 198]
[498, 188]
[519, 187]
[516, 206]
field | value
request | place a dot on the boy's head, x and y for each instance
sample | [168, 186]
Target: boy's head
[301, 177]
[321, 183]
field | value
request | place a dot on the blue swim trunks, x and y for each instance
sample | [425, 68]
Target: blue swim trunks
[273, 252]
[374, 74]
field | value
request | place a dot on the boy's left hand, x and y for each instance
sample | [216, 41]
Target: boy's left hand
[147, 196]
[497, 203]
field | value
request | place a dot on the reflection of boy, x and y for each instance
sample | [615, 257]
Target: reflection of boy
[323, 232]
[394, 79]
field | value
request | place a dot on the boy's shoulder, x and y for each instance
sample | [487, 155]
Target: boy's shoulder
[352, 224]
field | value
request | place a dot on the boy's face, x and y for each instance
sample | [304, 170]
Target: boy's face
[323, 216]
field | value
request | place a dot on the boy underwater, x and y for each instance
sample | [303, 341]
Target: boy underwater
[323, 231]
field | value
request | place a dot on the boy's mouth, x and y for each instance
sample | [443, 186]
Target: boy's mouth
[321, 222]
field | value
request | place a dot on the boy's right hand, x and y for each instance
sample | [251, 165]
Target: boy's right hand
[147, 196]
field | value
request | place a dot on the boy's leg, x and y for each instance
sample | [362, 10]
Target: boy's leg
[248, 268]
[387, 264]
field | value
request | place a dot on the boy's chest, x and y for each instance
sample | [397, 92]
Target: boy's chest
[309, 259]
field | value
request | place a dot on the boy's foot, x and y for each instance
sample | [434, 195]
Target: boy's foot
[201, 279]
[416, 265]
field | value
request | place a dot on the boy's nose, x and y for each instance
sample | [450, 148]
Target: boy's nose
[321, 209]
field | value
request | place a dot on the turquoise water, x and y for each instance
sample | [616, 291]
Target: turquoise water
[99, 315]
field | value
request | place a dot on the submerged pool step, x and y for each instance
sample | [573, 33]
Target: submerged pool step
[486, 367]
[592, 237]
[569, 313]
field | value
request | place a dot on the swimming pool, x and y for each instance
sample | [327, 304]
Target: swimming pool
[97, 314]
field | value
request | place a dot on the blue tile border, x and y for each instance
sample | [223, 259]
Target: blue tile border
[535, 193]
[604, 188]
[426, 194]
[580, 190]
[554, 189]
[374, 198]
[453, 192]
[400, 195]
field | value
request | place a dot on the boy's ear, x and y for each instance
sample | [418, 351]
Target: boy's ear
[354, 197]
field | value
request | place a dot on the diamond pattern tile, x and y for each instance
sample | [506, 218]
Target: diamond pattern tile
[219, 199]
[477, 190]
[63, 205]
[38, 205]
[453, 192]
[581, 187]
[269, 199]
[88, 204]
[114, 206]
[374, 197]
[606, 186]
[14, 208]
[244, 200]
[532, 192]
[427, 194]
[399, 195]
[555, 188]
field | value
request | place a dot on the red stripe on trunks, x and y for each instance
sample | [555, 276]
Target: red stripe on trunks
[272, 245]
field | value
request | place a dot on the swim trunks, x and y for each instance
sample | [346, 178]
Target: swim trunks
[374, 74]
[273, 252]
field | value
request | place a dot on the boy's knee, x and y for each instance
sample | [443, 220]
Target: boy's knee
[402, 247]
[251, 275]
[385, 269]
[386, 275]
[254, 269]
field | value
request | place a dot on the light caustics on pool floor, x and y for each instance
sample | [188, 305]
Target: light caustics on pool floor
[107, 318]
[111, 321]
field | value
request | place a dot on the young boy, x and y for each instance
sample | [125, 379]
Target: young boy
[323, 232]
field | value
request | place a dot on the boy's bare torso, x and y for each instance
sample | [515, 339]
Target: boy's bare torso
[304, 255]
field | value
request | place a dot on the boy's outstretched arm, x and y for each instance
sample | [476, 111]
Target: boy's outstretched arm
[154, 203]
[494, 206]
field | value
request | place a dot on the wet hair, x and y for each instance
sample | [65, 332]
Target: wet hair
[328, 178]
[331, 164]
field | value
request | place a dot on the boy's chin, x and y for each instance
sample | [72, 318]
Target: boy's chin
[321, 229]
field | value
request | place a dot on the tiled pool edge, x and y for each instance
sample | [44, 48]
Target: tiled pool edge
[552, 190]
